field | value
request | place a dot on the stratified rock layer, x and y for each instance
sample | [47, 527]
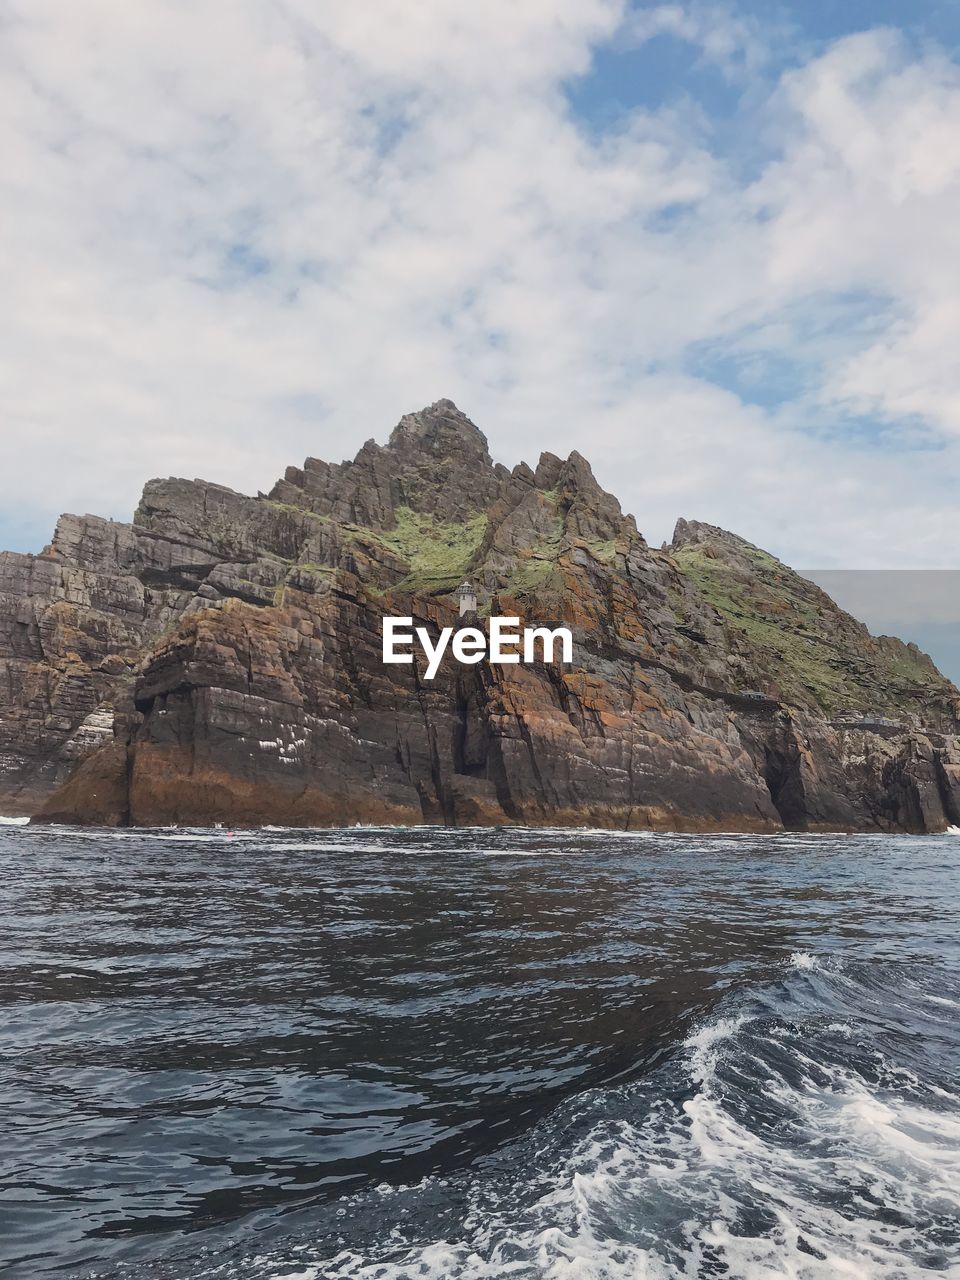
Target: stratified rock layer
[219, 659]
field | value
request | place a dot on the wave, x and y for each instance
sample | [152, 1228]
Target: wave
[647, 1068]
[769, 1153]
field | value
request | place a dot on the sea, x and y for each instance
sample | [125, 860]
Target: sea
[418, 1054]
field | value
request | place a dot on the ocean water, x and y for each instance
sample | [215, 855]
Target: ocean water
[428, 1054]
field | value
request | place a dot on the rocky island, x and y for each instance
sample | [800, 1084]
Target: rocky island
[218, 659]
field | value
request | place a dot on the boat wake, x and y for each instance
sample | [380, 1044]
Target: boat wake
[372, 1056]
[781, 1142]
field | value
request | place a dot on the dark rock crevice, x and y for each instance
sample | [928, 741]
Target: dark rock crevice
[782, 772]
[948, 785]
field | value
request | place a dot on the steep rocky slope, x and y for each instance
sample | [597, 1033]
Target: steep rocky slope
[219, 660]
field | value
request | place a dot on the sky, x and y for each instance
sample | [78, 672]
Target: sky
[713, 246]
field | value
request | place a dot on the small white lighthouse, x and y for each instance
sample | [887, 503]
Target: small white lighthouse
[467, 597]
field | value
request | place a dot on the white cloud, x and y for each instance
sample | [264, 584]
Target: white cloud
[235, 235]
[734, 43]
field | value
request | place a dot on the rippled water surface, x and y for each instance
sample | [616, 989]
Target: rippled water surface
[381, 1053]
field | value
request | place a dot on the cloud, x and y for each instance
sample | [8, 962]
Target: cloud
[866, 197]
[238, 235]
[735, 43]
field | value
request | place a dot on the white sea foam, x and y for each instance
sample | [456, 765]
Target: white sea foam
[941, 1000]
[803, 960]
[529, 853]
[703, 1045]
[612, 833]
[13, 822]
[698, 1174]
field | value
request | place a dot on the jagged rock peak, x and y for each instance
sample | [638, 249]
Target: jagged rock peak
[442, 431]
[690, 532]
[436, 462]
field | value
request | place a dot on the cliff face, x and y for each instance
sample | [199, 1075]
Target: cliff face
[219, 660]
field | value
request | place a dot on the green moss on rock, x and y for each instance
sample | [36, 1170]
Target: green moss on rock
[438, 552]
[797, 639]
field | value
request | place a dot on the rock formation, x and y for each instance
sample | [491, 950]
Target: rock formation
[218, 659]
